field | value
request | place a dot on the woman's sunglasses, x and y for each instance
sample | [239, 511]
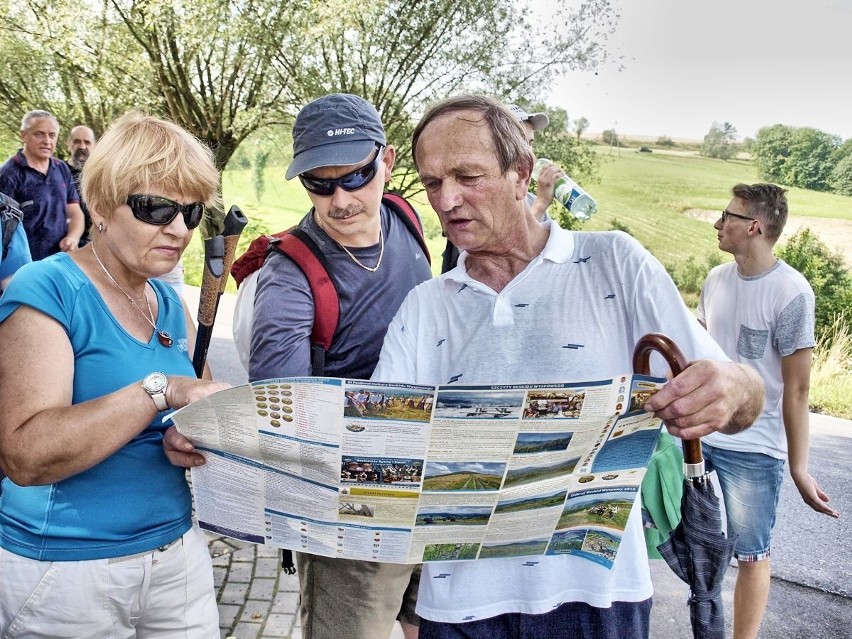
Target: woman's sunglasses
[159, 210]
[353, 181]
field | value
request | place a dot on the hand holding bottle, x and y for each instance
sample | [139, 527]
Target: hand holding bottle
[566, 191]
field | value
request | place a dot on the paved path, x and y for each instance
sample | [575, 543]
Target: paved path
[811, 594]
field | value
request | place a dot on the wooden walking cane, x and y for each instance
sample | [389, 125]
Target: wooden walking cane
[219, 252]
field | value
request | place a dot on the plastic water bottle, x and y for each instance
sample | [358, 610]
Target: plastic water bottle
[568, 193]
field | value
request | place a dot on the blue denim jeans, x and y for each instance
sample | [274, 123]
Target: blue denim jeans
[751, 487]
[574, 619]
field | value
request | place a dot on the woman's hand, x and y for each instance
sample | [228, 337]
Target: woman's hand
[185, 390]
[180, 450]
[180, 392]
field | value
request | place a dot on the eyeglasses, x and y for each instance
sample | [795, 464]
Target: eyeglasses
[352, 181]
[158, 210]
[726, 214]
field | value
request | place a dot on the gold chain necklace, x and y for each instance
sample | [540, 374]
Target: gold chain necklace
[164, 338]
[381, 254]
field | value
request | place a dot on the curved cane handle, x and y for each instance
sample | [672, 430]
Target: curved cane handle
[677, 362]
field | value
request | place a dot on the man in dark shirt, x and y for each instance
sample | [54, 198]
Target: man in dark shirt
[44, 188]
[342, 158]
[80, 142]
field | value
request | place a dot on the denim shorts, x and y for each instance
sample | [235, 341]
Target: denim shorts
[575, 619]
[751, 487]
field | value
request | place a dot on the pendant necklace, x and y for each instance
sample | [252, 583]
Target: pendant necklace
[164, 338]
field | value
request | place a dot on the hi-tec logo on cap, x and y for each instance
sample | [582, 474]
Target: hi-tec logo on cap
[333, 132]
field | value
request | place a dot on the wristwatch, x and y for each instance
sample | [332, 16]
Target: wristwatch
[155, 385]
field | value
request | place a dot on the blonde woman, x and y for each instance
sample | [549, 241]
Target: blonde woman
[96, 535]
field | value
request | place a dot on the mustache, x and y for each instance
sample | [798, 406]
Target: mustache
[81, 154]
[349, 211]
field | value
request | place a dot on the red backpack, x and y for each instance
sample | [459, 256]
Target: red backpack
[299, 247]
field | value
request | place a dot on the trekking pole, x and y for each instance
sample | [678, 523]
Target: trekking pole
[219, 252]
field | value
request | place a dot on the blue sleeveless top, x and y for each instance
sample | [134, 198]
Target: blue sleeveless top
[134, 500]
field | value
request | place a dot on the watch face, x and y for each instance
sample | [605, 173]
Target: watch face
[155, 383]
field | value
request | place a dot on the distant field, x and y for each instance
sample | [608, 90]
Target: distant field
[656, 195]
[660, 197]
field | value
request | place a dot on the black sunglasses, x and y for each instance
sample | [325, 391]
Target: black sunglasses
[352, 181]
[159, 210]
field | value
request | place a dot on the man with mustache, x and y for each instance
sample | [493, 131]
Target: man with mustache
[81, 140]
[341, 157]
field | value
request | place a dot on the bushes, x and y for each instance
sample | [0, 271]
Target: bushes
[827, 275]
[831, 372]
[690, 274]
[841, 176]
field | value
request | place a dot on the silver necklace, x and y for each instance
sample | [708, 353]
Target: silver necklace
[164, 338]
[381, 254]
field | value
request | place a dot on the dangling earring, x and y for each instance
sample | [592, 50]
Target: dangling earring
[100, 227]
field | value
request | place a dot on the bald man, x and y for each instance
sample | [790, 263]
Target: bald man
[81, 140]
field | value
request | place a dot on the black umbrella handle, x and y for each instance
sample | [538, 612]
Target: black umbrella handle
[677, 362]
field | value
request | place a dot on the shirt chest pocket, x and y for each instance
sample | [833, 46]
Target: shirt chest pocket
[751, 342]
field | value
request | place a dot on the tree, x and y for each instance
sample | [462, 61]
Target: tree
[771, 151]
[225, 68]
[403, 55]
[610, 137]
[720, 141]
[841, 176]
[580, 126]
[812, 159]
[577, 159]
[803, 157]
[69, 62]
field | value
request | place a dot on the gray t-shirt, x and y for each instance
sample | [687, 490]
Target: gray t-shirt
[284, 307]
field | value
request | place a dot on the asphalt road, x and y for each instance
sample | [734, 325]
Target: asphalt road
[811, 595]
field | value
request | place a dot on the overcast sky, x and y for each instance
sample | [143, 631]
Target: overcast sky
[752, 63]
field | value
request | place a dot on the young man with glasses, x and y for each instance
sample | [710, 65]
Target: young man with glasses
[761, 312]
[342, 158]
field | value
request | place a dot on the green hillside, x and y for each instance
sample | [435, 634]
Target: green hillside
[647, 193]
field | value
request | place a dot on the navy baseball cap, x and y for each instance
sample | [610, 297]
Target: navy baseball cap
[538, 121]
[334, 130]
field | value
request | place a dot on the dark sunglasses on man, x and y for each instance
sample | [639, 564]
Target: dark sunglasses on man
[159, 210]
[352, 181]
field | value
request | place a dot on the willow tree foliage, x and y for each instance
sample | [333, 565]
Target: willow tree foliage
[225, 69]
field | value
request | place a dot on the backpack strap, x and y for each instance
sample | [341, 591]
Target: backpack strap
[254, 257]
[299, 247]
[409, 217]
[10, 217]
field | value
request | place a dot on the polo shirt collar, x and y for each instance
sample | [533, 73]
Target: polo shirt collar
[558, 249]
